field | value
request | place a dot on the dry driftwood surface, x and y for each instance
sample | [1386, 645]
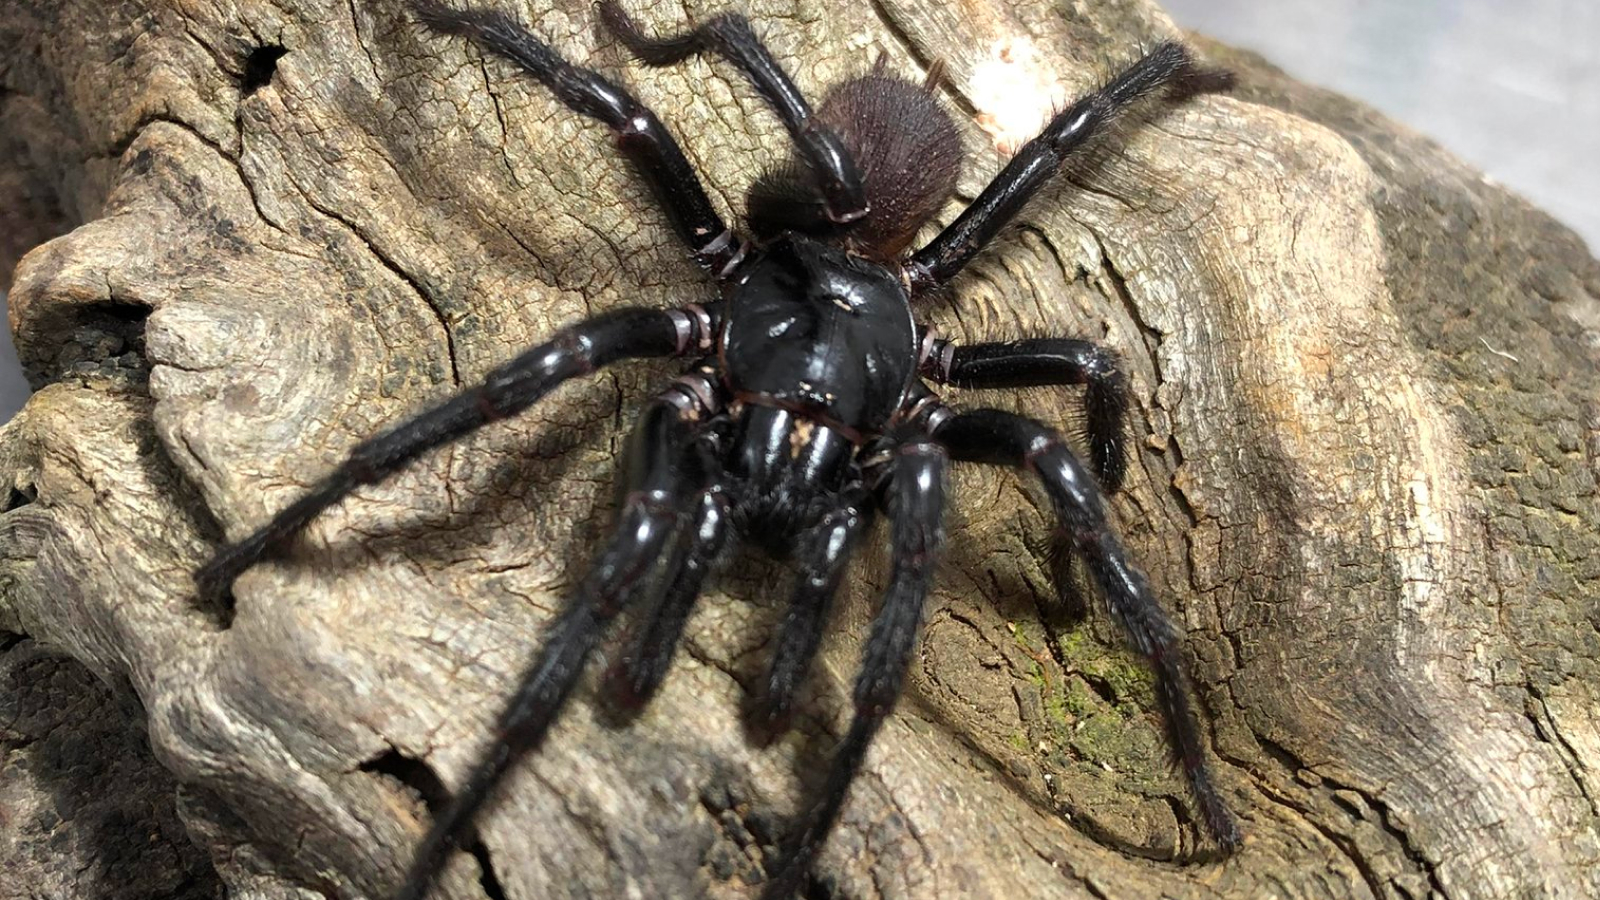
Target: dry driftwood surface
[1365, 480]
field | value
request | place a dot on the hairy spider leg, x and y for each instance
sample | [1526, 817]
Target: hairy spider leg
[1168, 68]
[729, 35]
[1001, 438]
[665, 484]
[513, 387]
[822, 553]
[1050, 361]
[916, 492]
[640, 135]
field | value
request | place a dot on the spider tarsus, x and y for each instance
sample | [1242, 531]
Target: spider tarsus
[812, 827]
[1106, 407]
[214, 580]
[213, 583]
[1171, 68]
[632, 681]
[1183, 737]
[1194, 79]
[793, 864]
[768, 718]
[628, 691]
[1217, 821]
[657, 51]
[1222, 825]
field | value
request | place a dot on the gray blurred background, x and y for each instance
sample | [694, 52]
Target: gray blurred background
[1512, 87]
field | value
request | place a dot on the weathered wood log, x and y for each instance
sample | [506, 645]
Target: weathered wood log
[1370, 440]
[65, 740]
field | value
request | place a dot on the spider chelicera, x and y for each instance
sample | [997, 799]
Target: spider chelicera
[806, 408]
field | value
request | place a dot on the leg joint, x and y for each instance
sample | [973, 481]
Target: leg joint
[921, 447]
[936, 357]
[694, 327]
[696, 395]
[364, 466]
[1101, 364]
[1038, 443]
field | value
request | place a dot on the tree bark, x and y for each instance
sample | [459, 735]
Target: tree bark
[1364, 482]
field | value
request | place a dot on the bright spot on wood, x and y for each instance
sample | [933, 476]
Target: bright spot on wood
[1013, 93]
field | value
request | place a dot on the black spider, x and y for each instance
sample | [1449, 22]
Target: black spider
[805, 408]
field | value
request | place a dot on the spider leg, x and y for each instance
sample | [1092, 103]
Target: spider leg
[1168, 68]
[640, 135]
[916, 509]
[663, 485]
[513, 387]
[729, 35]
[638, 673]
[823, 551]
[1049, 361]
[1002, 438]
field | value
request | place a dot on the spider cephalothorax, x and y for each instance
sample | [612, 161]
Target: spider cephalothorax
[806, 409]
